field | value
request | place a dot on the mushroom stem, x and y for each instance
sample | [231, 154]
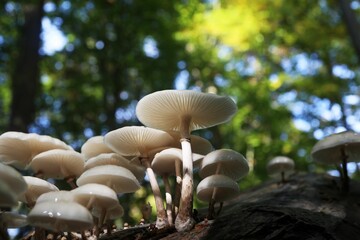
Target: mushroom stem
[168, 199]
[177, 198]
[220, 208]
[71, 182]
[282, 176]
[184, 220]
[212, 205]
[344, 158]
[161, 219]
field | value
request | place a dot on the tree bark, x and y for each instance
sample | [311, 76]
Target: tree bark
[352, 25]
[25, 78]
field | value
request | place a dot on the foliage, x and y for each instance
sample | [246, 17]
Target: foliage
[283, 62]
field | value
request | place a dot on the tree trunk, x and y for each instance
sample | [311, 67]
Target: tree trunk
[25, 78]
[352, 25]
[307, 206]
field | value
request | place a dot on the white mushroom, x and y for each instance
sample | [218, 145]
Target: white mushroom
[280, 166]
[184, 111]
[94, 146]
[142, 142]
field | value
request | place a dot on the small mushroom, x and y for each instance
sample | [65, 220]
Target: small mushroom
[96, 196]
[60, 216]
[14, 150]
[35, 188]
[142, 142]
[120, 179]
[184, 111]
[226, 162]
[216, 188]
[94, 146]
[280, 166]
[339, 148]
[115, 159]
[59, 164]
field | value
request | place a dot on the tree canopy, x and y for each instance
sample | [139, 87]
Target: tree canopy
[292, 68]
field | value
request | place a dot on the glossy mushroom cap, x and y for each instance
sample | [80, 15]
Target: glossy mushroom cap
[35, 188]
[165, 109]
[94, 146]
[120, 179]
[58, 163]
[280, 164]
[61, 216]
[328, 150]
[56, 196]
[137, 140]
[225, 187]
[224, 161]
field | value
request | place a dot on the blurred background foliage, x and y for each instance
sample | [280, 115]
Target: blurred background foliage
[75, 69]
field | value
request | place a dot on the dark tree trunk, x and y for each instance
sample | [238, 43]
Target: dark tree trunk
[307, 206]
[352, 25]
[25, 78]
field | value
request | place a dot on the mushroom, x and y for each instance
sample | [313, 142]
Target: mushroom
[169, 162]
[59, 164]
[339, 148]
[142, 142]
[226, 162]
[280, 166]
[216, 188]
[60, 216]
[13, 179]
[35, 188]
[14, 150]
[184, 111]
[96, 196]
[120, 179]
[94, 146]
[115, 159]
[113, 213]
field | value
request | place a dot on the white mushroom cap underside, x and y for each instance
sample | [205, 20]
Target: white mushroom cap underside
[328, 150]
[280, 164]
[228, 162]
[226, 188]
[137, 140]
[60, 216]
[165, 109]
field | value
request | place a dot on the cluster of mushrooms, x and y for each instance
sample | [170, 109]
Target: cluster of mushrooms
[116, 163]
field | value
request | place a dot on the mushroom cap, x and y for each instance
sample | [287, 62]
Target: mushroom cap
[328, 150]
[8, 197]
[164, 161]
[280, 164]
[14, 150]
[56, 196]
[199, 144]
[13, 179]
[227, 162]
[120, 179]
[115, 159]
[13, 220]
[60, 216]
[226, 188]
[137, 140]
[35, 188]
[41, 143]
[114, 212]
[58, 163]
[93, 195]
[165, 109]
[94, 146]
